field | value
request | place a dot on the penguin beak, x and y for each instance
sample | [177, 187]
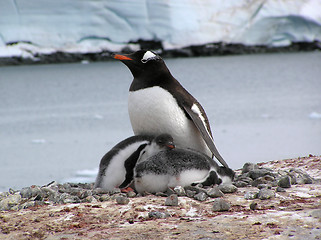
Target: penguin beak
[121, 57]
[170, 146]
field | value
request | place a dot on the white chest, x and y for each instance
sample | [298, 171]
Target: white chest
[155, 111]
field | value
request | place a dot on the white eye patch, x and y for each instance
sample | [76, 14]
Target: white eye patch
[149, 56]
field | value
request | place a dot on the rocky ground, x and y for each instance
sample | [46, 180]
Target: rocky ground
[273, 200]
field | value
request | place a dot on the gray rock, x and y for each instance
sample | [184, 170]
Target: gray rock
[267, 179]
[115, 191]
[244, 178]
[3, 195]
[253, 205]
[298, 176]
[10, 201]
[201, 196]
[265, 193]
[172, 200]
[169, 191]
[197, 189]
[32, 192]
[67, 198]
[264, 185]
[27, 204]
[104, 197]
[240, 184]
[280, 189]
[227, 188]
[180, 191]
[89, 199]
[12, 191]
[249, 167]
[250, 195]
[190, 193]
[220, 205]
[158, 215]
[284, 182]
[123, 200]
[99, 191]
[131, 194]
[256, 173]
[214, 192]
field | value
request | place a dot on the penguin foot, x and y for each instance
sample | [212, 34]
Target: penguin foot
[126, 190]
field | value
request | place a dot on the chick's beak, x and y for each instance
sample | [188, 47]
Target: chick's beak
[170, 146]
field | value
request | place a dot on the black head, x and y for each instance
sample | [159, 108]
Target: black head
[165, 141]
[143, 63]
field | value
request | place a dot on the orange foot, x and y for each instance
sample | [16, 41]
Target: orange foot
[126, 190]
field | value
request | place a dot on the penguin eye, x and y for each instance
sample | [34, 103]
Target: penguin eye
[144, 60]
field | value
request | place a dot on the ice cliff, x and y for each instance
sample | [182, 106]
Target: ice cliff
[46, 26]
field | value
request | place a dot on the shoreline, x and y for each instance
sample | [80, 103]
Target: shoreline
[292, 211]
[210, 49]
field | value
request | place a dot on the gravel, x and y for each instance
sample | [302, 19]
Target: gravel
[266, 180]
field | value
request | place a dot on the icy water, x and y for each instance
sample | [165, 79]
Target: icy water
[57, 121]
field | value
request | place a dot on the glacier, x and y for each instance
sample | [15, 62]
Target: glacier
[32, 27]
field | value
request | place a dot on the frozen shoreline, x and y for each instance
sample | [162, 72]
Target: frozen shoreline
[27, 53]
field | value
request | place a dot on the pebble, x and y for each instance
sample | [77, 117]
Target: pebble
[131, 194]
[249, 167]
[264, 185]
[158, 215]
[280, 189]
[54, 193]
[220, 205]
[215, 192]
[67, 198]
[90, 199]
[284, 182]
[227, 188]
[250, 195]
[240, 184]
[265, 193]
[172, 200]
[201, 196]
[180, 191]
[256, 173]
[33, 191]
[10, 201]
[170, 191]
[190, 193]
[122, 200]
[253, 205]
[104, 197]
[299, 177]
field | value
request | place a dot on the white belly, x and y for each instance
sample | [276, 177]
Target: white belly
[154, 111]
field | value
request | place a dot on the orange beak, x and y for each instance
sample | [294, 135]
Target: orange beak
[121, 57]
[170, 146]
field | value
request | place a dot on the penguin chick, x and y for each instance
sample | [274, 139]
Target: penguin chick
[116, 166]
[178, 167]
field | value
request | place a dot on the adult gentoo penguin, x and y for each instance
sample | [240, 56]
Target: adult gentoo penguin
[116, 168]
[158, 103]
[178, 167]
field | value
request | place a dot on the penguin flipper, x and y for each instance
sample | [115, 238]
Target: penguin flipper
[199, 122]
[130, 164]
